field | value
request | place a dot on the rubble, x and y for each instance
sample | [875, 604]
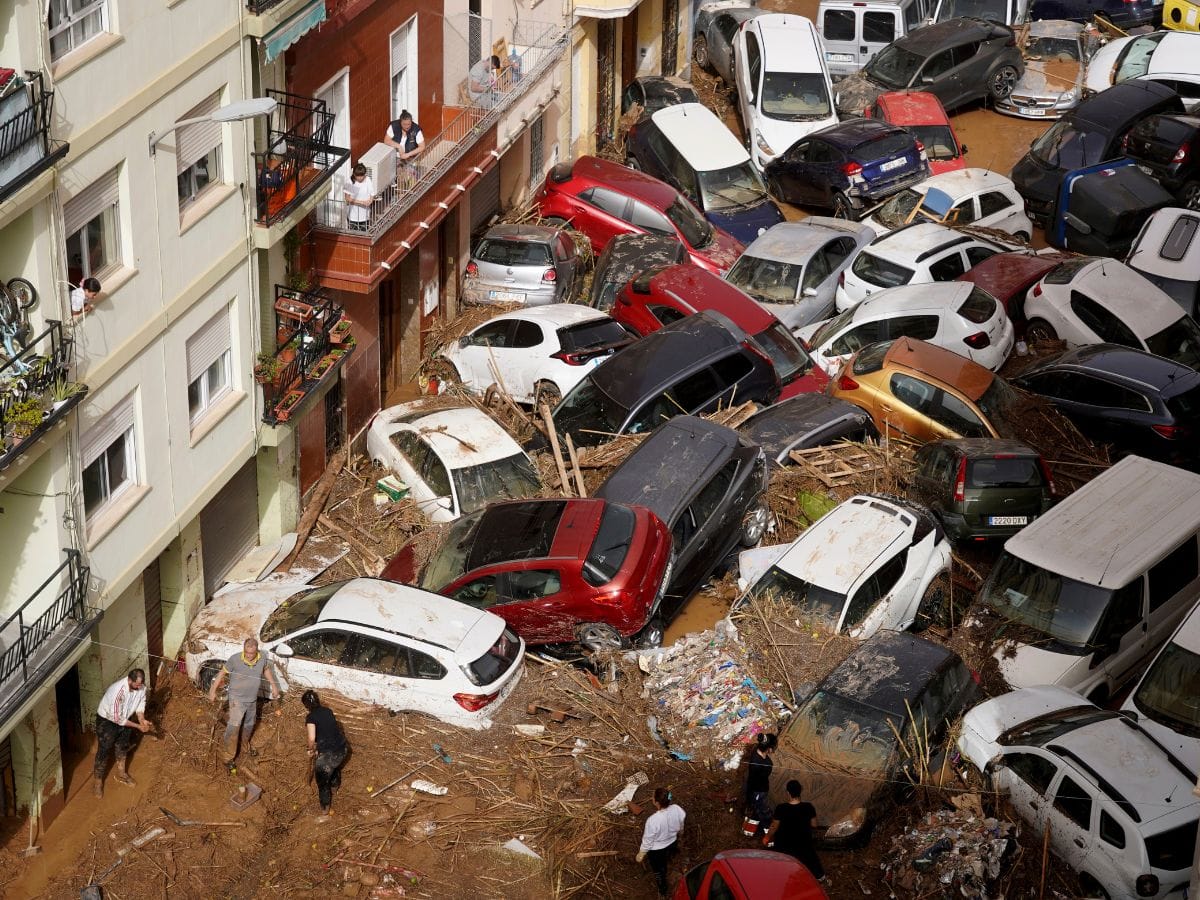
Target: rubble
[951, 853]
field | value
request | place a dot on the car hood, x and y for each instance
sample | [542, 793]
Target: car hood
[836, 791]
[984, 724]
[780, 135]
[1047, 78]
[855, 93]
[747, 223]
[1036, 180]
[1023, 665]
[239, 613]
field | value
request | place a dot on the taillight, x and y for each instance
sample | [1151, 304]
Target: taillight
[1181, 154]
[1170, 432]
[846, 383]
[921, 150]
[475, 702]
[472, 270]
[960, 481]
[1037, 289]
[1046, 474]
[571, 359]
[975, 677]
[978, 340]
[550, 275]
[852, 169]
[842, 278]
[1146, 885]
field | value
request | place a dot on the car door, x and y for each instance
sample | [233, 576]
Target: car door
[906, 409]
[1026, 775]
[879, 601]
[720, 48]
[1100, 324]
[549, 612]
[1070, 820]
[477, 350]
[998, 210]
[747, 65]
[604, 216]
[317, 656]
[948, 266]
[1172, 586]
[370, 669]
[1121, 639]
[520, 363]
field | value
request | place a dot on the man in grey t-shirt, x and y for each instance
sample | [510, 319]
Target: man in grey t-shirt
[245, 671]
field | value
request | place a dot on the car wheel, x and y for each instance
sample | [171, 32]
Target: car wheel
[632, 163]
[842, 208]
[651, 636]
[700, 51]
[1190, 195]
[597, 636]
[1039, 330]
[208, 674]
[1025, 236]
[934, 608]
[1090, 887]
[1002, 82]
[546, 392]
[754, 525]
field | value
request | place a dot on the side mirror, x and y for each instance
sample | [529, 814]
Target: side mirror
[1077, 223]
[926, 79]
[283, 651]
[808, 292]
[962, 148]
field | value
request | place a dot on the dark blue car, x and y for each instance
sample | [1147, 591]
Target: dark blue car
[1125, 14]
[688, 147]
[848, 167]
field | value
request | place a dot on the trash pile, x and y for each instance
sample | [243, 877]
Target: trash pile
[961, 850]
[702, 682]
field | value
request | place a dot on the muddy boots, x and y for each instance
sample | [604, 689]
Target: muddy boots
[229, 749]
[98, 785]
[122, 775]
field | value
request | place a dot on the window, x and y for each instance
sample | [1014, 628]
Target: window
[109, 459]
[1102, 323]
[1035, 771]
[947, 268]
[938, 65]
[913, 392]
[923, 328]
[879, 27]
[425, 666]
[732, 369]
[209, 360]
[1111, 831]
[839, 25]
[963, 213]
[665, 314]
[72, 23]
[857, 338]
[376, 656]
[976, 255]
[537, 151]
[753, 62]
[531, 584]
[609, 201]
[1122, 616]
[650, 219]
[198, 152]
[434, 473]
[815, 273]
[696, 390]
[727, 26]
[695, 878]
[957, 416]
[529, 334]
[709, 500]
[993, 202]
[92, 227]
[912, 16]
[1074, 802]
[718, 889]
[1176, 571]
[480, 592]
[494, 334]
[404, 68]
[321, 646]
[874, 589]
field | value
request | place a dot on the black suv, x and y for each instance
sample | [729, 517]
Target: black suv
[957, 61]
[688, 367]
[1169, 146]
[707, 484]
[1091, 134]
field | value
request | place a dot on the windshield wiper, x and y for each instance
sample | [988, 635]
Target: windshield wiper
[742, 203]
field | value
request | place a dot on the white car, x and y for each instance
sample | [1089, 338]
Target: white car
[371, 641]
[1118, 808]
[783, 87]
[454, 460]
[865, 565]
[1093, 301]
[919, 253]
[976, 197]
[1170, 57]
[956, 315]
[536, 354]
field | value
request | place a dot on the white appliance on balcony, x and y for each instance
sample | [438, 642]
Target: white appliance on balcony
[380, 161]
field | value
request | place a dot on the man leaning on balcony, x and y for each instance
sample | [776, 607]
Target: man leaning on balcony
[122, 702]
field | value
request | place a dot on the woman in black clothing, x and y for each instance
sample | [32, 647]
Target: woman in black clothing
[758, 780]
[791, 830]
[327, 745]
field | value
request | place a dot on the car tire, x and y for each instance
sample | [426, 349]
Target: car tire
[1090, 887]
[842, 208]
[208, 674]
[651, 637]
[1002, 81]
[754, 524]
[1039, 330]
[700, 52]
[597, 636]
[546, 392]
[632, 163]
[1189, 196]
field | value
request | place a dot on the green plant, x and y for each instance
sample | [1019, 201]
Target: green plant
[25, 417]
[64, 390]
[267, 368]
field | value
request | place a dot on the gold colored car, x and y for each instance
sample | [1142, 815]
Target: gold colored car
[923, 393]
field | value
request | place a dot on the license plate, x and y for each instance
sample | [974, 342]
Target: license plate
[1146, 169]
[1034, 111]
[507, 296]
[893, 164]
[1008, 520]
[840, 57]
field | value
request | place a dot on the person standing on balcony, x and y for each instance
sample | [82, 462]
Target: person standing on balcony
[360, 195]
[122, 711]
[405, 136]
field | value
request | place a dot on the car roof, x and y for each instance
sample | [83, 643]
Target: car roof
[701, 289]
[774, 426]
[975, 448]
[663, 87]
[1143, 308]
[887, 671]
[662, 474]
[1158, 372]
[462, 436]
[1176, 53]
[636, 252]
[700, 137]
[1113, 108]
[854, 132]
[555, 314]
[768, 875]
[1004, 274]
[521, 232]
[1132, 514]
[950, 33]
[938, 296]
[946, 366]
[1162, 225]
[789, 41]
[913, 107]
[962, 182]
[605, 173]
[844, 544]
[909, 242]
[796, 241]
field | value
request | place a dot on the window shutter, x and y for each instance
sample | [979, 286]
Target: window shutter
[400, 49]
[207, 344]
[193, 142]
[101, 435]
[90, 202]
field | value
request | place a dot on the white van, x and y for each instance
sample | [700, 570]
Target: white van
[853, 31]
[783, 85]
[1167, 699]
[1094, 587]
[1006, 12]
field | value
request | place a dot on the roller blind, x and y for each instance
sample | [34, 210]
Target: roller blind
[400, 48]
[207, 344]
[102, 435]
[193, 142]
[90, 202]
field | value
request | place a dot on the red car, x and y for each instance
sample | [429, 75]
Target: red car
[1008, 276]
[557, 571]
[603, 199]
[660, 296]
[923, 114]
[749, 875]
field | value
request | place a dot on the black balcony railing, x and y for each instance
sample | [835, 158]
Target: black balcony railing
[35, 390]
[43, 631]
[299, 158]
[258, 7]
[26, 148]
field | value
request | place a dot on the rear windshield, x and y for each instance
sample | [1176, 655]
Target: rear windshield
[785, 351]
[1185, 405]
[496, 661]
[1168, 692]
[795, 96]
[695, 230]
[513, 253]
[611, 545]
[450, 558]
[768, 280]
[844, 734]
[999, 404]
[517, 531]
[597, 333]
[297, 611]
[880, 272]
[979, 307]
[1065, 147]
[1009, 472]
[882, 146]
[1179, 341]
[503, 479]
[938, 140]
[870, 359]
[1172, 850]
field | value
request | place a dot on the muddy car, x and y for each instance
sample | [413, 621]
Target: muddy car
[850, 741]
[1056, 54]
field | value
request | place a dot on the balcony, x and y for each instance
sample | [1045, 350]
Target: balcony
[26, 149]
[43, 632]
[298, 162]
[280, 23]
[312, 337]
[36, 393]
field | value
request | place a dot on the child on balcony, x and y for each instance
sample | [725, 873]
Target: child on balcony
[359, 195]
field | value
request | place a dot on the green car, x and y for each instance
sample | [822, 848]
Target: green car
[981, 488]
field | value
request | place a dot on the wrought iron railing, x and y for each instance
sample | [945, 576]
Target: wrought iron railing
[38, 634]
[258, 7]
[305, 324]
[25, 144]
[544, 45]
[299, 157]
[35, 389]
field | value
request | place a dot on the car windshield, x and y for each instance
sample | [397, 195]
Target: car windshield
[992, 10]
[1179, 341]
[1055, 48]
[498, 660]
[1182, 292]
[1168, 694]
[826, 332]
[501, 479]
[1064, 147]
[893, 66]
[938, 140]
[695, 230]
[505, 252]
[816, 604]
[613, 540]
[879, 272]
[787, 355]
[450, 559]
[999, 405]
[768, 280]
[838, 732]
[608, 294]
[589, 415]
[1041, 730]
[735, 187]
[896, 210]
[297, 611]
[1052, 604]
[794, 96]
[1134, 58]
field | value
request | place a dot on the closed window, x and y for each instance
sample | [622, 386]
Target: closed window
[1111, 831]
[912, 392]
[422, 665]
[733, 368]
[665, 314]
[947, 268]
[531, 584]
[529, 334]
[72, 23]
[609, 201]
[1114, 396]
[923, 328]
[109, 459]
[858, 337]
[696, 390]
[479, 592]
[718, 889]
[198, 152]
[1103, 323]
[1172, 574]
[938, 65]
[815, 272]
[976, 255]
[958, 416]
[209, 363]
[1124, 614]
[375, 655]
[727, 26]
[879, 27]
[753, 61]
[1074, 802]
[839, 25]
[404, 67]
[1035, 771]
[874, 589]
[321, 646]
[993, 202]
[92, 226]
[435, 475]
[650, 219]
[709, 500]
[494, 334]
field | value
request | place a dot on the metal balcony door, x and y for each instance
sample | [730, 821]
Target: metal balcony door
[670, 36]
[229, 526]
[606, 73]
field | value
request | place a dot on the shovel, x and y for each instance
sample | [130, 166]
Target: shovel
[186, 822]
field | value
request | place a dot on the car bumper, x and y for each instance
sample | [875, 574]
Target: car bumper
[958, 529]
[880, 189]
[1039, 108]
[481, 293]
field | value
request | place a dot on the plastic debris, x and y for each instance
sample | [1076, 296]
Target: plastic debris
[428, 787]
[530, 730]
[579, 747]
[619, 804]
[958, 849]
[518, 846]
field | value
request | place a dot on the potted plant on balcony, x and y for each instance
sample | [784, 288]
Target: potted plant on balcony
[340, 333]
[284, 410]
[25, 417]
[62, 391]
[268, 368]
[324, 364]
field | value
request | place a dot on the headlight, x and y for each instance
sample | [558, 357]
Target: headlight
[762, 144]
[849, 825]
[1067, 97]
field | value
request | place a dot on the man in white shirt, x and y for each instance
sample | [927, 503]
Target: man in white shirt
[660, 838]
[359, 194]
[122, 703]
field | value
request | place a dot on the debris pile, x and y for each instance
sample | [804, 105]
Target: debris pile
[951, 853]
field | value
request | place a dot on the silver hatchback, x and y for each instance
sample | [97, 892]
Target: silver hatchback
[528, 264]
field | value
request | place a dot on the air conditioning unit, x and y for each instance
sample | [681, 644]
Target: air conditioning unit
[380, 161]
